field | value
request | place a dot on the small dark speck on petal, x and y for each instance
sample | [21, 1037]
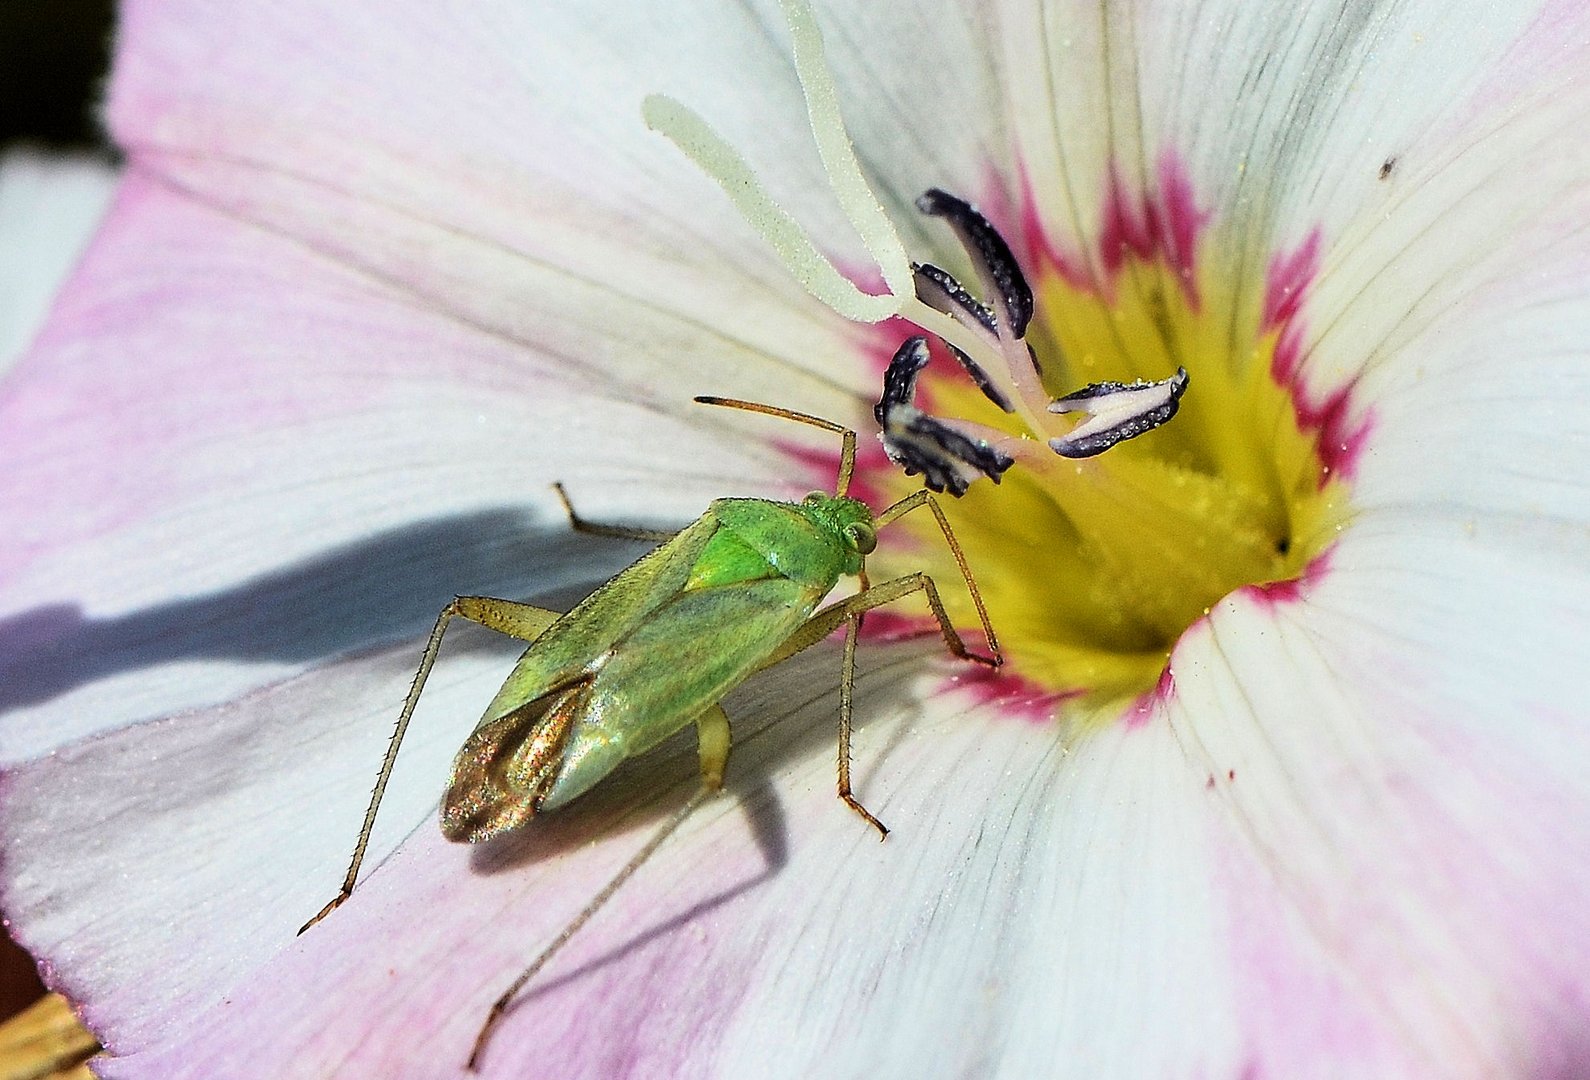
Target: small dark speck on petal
[1389, 164]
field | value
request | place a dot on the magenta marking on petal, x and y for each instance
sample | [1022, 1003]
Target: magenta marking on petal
[1035, 242]
[1339, 437]
[1272, 594]
[1165, 224]
[1144, 224]
[885, 626]
[1009, 693]
[1288, 352]
[1146, 706]
[1183, 222]
[1289, 274]
[1004, 690]
[1125, 229]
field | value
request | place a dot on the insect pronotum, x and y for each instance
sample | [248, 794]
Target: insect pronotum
[656, 648]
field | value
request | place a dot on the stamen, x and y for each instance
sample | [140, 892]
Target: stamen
[948, 455]
[1004, 283]
[996, 267]
[899, 378]
[940, 291]
[1116, 412]
[987, 341]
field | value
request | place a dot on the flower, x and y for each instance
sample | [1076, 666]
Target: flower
[370, 284]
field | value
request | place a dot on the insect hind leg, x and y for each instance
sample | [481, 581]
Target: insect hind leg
[523, 621]
[712, 735]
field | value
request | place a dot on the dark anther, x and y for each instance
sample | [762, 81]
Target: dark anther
[938, 289]
[946, 459]
[980, 377]
[989, 253]
[899, 379]
[1117, 412]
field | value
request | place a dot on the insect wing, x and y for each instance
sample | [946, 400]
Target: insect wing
[506, 767]
[597, 623]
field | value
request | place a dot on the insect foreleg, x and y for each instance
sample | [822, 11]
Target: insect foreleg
[923, 498]
[522, 621]
[712, 735]
[621, 532]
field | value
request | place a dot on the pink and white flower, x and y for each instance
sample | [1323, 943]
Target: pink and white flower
[371, 283]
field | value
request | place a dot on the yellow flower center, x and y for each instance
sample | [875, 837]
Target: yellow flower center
[1093, 569]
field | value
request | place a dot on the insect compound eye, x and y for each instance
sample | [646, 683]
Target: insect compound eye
[815, 498]
[862, 537]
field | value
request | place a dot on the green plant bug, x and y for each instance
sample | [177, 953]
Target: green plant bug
[656, 648]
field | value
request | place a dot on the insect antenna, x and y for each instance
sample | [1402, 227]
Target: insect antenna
[847, 453]
[500, 1006]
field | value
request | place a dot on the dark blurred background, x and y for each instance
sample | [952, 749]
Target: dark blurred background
[53, 58]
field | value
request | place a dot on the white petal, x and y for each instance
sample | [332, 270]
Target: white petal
[49, 205]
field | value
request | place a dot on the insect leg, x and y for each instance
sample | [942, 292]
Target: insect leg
[830, 618]
[849, 612]
[712, 742]
[847, 693]
[712, 734]
[622, 532]
[522, 621]
[923, 498]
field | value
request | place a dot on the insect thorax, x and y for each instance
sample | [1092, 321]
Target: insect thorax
[806, 541]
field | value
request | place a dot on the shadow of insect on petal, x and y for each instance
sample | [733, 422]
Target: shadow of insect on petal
[380, 589]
